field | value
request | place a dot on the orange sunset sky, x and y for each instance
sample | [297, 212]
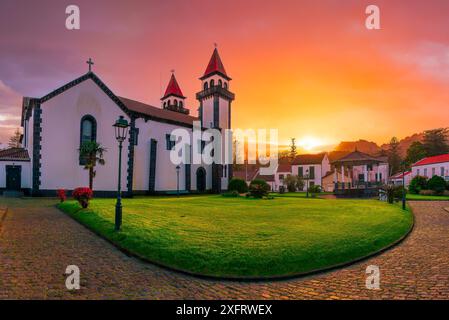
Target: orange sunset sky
[308, 68]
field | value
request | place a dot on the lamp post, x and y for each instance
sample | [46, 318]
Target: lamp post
[177, 180]
[307, 182]
[403, 186]
[121, 130]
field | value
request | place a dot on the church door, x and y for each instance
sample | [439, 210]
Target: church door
[13, 177]
[201, 179]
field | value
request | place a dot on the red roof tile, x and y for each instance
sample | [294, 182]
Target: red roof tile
[431, 160]
[309, 159]
[284, 167]
[173, 88]
[215, 65]
[14, 154]
[399, 175]
[157, 113]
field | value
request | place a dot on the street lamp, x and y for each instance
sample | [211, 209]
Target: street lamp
[307, 182]
[177, 180]
[403, 186]
[121, 130]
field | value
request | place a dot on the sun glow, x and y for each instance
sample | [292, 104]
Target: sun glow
[309, 143]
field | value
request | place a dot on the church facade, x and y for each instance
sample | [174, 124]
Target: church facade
[55, 126]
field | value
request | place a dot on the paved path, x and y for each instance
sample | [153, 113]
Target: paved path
[36, 245]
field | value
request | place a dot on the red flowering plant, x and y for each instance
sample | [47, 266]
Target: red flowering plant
[61, 195]
[83, 195]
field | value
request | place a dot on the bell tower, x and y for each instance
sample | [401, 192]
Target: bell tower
[173, 98]
[215, 100]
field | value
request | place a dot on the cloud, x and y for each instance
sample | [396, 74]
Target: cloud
[10, 111]
[431, 59]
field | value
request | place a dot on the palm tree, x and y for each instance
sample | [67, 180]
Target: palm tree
[91, 153]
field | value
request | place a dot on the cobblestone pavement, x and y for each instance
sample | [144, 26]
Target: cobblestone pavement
[37, 243]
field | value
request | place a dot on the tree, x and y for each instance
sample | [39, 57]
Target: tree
[394, 159]
[415, 152]
[14, 141]
[91, 153]
[437, 184]
[290, 181]
[435, 141]
[293, 150]
[300, 183]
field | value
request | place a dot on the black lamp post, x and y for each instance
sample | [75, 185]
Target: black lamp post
[121, 130]
[307, 182]
[177, 180]
[403, 186]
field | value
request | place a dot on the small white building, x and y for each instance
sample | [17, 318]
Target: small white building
[400, 178]
[14, 170]
[313, 166]
[432, 166]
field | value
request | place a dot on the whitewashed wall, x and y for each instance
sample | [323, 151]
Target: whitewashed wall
[427, 170]
[61, 118]
[165, 169]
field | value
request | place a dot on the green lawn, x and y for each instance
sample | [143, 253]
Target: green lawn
[219, 236]
[427, 198]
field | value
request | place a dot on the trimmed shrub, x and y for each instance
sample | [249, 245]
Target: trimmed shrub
[237, 184]
[427, 192]
[437, 184]
[61, 195]
[83, 195]
[417, 184]
[315, 189]
[231, 194]
[259, 188]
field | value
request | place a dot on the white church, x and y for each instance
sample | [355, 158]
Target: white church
[85, 109]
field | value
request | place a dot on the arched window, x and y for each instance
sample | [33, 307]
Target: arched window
[88, 129]
[180, 104]
[226, 85]
[88, 132]
[206, 85]
[165, 104]
[176, 103]
[212, 83]
[220, 83]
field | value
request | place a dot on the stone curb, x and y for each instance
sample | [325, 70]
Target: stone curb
[250, 279]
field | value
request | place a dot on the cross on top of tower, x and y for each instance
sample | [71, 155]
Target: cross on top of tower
[90, 63]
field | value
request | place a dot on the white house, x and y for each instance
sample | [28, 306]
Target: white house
[432, 166]
[283, 170]
[55, 125]
[313, 166]
[399, 178]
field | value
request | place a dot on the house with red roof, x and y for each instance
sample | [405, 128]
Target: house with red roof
[311, 167]
[401, 178]
[85, 109]
[432, 166]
